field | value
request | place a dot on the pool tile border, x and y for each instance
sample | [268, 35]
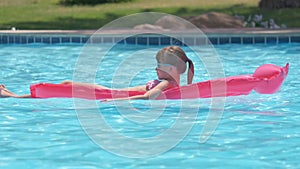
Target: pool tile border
[151, 39]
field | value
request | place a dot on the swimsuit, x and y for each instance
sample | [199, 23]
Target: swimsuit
[153, 83]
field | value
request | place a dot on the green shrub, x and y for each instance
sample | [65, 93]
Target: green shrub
[90, 2]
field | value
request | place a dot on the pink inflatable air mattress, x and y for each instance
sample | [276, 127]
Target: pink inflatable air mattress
[266, 79]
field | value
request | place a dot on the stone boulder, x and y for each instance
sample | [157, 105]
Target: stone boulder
[216, 20]
[172, 22]
[209, 20]
[147, 27]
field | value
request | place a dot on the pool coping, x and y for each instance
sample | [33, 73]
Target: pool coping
[218, 31]
[153, 37]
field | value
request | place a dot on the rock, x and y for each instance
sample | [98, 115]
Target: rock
[258, 18]
[209, 20]
[172, 22]
[283, 26]
[216, 20]
[265, 24]
[148, 27]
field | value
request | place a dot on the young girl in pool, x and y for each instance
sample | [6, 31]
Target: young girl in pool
[171, 62]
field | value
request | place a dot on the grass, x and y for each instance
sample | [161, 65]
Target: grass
[48, 14]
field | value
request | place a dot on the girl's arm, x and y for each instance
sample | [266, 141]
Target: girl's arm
[151, 94]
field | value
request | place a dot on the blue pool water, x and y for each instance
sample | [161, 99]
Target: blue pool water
[256, 131]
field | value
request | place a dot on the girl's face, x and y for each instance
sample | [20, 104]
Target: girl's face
[165, 71]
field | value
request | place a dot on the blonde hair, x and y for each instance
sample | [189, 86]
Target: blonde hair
[175, 56]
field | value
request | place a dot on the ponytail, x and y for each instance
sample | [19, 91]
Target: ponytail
[190, 72]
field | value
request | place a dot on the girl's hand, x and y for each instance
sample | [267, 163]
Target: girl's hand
[151, 94]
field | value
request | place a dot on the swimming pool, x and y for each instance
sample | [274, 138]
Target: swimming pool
[256, 131]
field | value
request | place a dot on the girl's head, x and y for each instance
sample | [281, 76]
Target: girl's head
[175, 56]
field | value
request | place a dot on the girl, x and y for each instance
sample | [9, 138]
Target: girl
[171, 62]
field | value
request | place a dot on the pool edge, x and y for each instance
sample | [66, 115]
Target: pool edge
[215, 36]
